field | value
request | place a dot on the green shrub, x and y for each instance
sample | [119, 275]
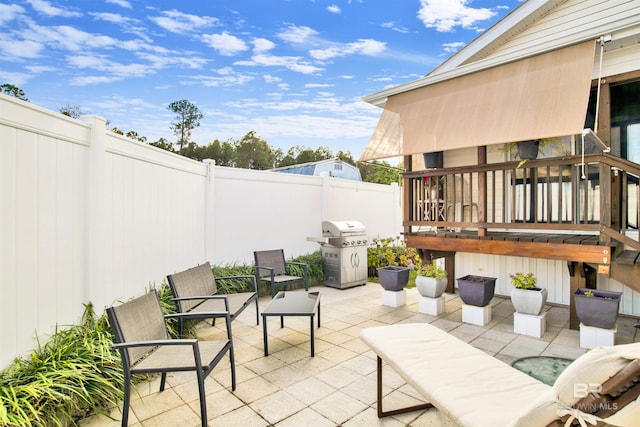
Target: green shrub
[74, 373]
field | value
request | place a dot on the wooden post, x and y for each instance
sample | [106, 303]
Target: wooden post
[482, 192]
[407, 199]
[604, 177]
[577, 280]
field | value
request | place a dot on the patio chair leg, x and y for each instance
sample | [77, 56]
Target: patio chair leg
[203, 402]
[125, 403]
[257, 312]
[233, 369]
[163, 380]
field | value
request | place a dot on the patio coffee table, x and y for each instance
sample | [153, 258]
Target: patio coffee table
[292, 304]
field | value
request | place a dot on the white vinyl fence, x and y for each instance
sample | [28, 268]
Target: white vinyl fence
[90, 216]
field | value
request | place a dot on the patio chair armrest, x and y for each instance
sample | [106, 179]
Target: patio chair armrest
[204, 297]
[221, 296]
[231, 278]
[304, 266]
[198, 314]
[150, 343]
[269, 269]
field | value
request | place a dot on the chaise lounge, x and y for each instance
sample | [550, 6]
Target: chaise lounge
[475, 389]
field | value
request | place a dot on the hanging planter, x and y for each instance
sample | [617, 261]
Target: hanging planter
[528, 150]
[476, 290]
[432, 160]
[597, 308]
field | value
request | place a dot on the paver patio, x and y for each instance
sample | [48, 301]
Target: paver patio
[338, 385]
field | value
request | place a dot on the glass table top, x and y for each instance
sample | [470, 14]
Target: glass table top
[543, 368]
[293, 303]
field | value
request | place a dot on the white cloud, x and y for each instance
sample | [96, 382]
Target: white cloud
[46, 8]
[297, 35]
[262, 45]
[393, 26]
[223, 79]
[225, 44]
[39, 68]
[8, 12]
[293, 63]
[367, 47]
[178, 22]
[93, 80]
[334, 9]
[268, 78]
[16, 79]
[445, 15]
[121, 3]
[20, 48]
[68, 37]
[453, 47]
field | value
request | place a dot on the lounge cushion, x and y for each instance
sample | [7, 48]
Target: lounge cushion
[468, 385]
[594, 367]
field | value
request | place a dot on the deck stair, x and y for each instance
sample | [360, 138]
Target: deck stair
[626, 269]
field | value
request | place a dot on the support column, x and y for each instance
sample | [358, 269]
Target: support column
[210, 211]
[95, 219]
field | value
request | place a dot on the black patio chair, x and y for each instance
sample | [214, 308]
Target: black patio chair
[141, 336]
[272, 268]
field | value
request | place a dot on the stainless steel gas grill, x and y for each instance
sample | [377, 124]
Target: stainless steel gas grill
[344, 253]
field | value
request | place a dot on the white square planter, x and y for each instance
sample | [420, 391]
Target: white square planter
[433, 306]
[394, 298]
[476, 315]
[530, 324]
[592, 337]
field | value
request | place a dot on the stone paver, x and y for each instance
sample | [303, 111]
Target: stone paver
[338, 385]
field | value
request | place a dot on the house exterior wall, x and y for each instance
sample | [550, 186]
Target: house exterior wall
[90, 216]
[575, 21]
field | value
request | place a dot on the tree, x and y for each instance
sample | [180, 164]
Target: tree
[252, 152]
[14, 91]
[380, 172]
[73, 111]
[187, 119]
[164, 144]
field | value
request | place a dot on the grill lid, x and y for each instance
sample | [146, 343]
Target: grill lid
[342, 228]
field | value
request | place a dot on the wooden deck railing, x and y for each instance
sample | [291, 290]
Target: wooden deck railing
[601, 196]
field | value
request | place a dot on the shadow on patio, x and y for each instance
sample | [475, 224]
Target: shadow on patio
[338, 385]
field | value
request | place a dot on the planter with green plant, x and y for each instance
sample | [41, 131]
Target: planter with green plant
[526, 297]
[392, 261]
[431, 280]
[597, 308]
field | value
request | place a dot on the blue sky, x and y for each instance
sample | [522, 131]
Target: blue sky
[293, 71]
